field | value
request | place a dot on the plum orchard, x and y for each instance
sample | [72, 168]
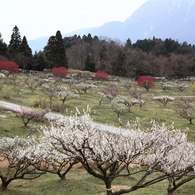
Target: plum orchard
[105, 152]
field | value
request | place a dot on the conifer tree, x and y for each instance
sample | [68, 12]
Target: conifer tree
[103, 56]
[60, 51]
[128, 44]
[87, 38]
[89, 64]
[118, 66]
[50, 50]
[24, 48]
[40, 61]
[15, 42]
[55, 51]
[3, 46]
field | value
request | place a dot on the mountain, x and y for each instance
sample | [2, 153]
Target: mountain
[163, 19]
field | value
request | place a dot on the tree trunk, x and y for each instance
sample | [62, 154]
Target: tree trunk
[4, 185]
[170, 189]
[62, 176]
[170, 192]
[108, 187]
[191, 123]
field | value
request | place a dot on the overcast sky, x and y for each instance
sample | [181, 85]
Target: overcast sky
[36, 18]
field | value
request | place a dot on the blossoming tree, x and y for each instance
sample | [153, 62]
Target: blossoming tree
[164, 99]
[106, 152]
[9, 67]
[146, 81]
[18, 155]
[101, 75]
[27, 114]
[59, 72]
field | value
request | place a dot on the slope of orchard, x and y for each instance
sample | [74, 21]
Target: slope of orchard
[14, 89]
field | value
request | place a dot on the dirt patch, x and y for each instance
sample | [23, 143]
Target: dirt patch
[3, 163]
[118, 187]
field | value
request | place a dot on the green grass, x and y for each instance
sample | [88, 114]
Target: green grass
[79, 182]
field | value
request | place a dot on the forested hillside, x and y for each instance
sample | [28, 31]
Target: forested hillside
[156, 57]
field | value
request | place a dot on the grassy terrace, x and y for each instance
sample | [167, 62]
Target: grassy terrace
[78, 181]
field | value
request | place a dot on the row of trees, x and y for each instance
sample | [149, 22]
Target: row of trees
[145, 57]
[106, 153]
[54, 92]
[19, 51]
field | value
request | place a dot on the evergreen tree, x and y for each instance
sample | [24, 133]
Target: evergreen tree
[90, 39]
[128, 44]
[89, 64]
[87, 38]
[40, 61]
[95, 38]
[15, 42]
[55, 51]
[3, 46]
[61, 59]
[103, 54]
[50, 50]
[118, 66]
[24, 48]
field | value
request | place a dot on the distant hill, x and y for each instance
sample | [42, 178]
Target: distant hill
[163, 19]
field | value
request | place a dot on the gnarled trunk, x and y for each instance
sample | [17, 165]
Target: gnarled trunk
[4, 184]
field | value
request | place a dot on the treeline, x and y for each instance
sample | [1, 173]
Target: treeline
[155, 57]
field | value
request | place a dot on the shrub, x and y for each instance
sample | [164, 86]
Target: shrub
[146, 81]
[59, 71]
[46, 70]
[101, 75]
[80, 72]
[9, 66]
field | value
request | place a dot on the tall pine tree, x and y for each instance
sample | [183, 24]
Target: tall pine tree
[24, 48]
[50, 51]
[118, 65]
[89, 63]
[55, 51]
[41, 63]
[60, 51]
[15, 42]
[3, 46]
[103, 56]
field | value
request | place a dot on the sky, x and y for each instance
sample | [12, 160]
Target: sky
[37, 18]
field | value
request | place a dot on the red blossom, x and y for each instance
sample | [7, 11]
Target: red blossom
[101, 75]
[9, 66]
[59, 71]
[146, 81]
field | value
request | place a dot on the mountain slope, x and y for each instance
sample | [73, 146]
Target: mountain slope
[163, 19]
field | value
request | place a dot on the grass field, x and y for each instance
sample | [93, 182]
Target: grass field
[78, 182]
